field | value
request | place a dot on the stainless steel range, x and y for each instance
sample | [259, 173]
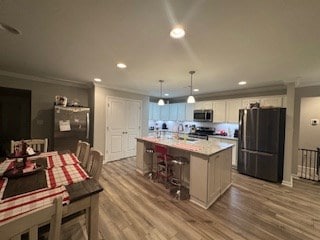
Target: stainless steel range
[202, 132]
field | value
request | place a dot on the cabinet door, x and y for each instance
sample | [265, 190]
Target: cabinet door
[219, 111]
[214, 177]
[164, 112]
[181, 111]
[201, 105]
[150, 111]
[189, 111]
[232, 110]
[173, 111]
[226, 158]
[274, 101]
[246, 102]
[156, 111]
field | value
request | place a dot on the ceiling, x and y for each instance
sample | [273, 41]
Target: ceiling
[263, 42]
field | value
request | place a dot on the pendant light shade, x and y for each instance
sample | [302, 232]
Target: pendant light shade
[191, 98]
[161, 101]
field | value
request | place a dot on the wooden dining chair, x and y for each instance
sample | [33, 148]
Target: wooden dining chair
[94, 165]
[82, 152]
[39, 145]
[31, 221]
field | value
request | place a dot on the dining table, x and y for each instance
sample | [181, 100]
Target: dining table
[50, 175]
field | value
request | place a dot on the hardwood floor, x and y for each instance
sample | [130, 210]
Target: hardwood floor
[133, 207]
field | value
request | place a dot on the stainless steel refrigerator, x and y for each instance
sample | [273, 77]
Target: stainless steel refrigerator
[261, 143]
[70, 125]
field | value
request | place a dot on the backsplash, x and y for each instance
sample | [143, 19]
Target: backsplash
[173, 126]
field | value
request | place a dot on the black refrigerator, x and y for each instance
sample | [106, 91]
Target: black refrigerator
[70, 125]
[261, 143]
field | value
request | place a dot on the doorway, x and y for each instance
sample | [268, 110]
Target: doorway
[15, 117]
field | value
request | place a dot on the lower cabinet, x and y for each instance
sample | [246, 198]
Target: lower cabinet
[209, 178]
[234, 148]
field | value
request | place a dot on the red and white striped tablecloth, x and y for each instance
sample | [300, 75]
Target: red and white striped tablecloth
[23, 203]
[65, 175]
[60, 160]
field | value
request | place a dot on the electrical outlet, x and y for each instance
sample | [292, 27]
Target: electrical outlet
[314, 122]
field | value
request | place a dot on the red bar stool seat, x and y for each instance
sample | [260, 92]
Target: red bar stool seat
[164, 164]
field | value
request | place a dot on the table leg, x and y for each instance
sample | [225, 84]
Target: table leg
[92, 217]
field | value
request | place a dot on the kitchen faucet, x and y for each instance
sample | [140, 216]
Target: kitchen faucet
[180, 128]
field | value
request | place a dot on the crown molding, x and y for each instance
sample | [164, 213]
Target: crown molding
[46, 79]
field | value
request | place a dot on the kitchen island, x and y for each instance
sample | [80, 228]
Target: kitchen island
[209, 175]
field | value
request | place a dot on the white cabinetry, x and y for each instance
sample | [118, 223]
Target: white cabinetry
[273, 101]
[209, 178]
[189, 111]
[181, 111]
[219, 111]
[155, 111]
[203, 105]
[234, 147]
[164, 112]
[247, 101]
[232, 110]
[173, 111]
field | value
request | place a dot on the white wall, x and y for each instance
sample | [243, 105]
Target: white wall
[100, 96]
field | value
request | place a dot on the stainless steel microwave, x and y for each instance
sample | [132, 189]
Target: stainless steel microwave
[203, 115]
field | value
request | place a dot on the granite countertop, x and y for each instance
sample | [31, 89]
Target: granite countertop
[198, 145]
[223, 137]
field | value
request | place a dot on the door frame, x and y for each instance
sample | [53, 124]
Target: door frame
[107, 122]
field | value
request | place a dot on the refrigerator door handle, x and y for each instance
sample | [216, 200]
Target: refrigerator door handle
[256, 152]
[88, 125]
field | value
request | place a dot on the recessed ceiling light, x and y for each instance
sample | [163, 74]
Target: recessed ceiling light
[166, 94]
[177, 32]
[97, 79]
[121, 65]
[242, 83]
[196, 90]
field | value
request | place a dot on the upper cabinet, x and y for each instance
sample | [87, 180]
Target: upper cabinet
[203, 105]
[247, 101]
[173, 112]
[181, 111]
[232, 110]
[273, 101]
[154, 111]
[219, 111]
[189, 111]
[164, 112]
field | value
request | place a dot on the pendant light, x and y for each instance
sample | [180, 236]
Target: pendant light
[161, 101]
[191, 97]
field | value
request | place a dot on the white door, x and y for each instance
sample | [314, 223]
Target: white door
[123, 126]
[133, 128]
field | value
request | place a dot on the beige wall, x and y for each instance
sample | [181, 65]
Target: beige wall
[42, 100]
[100, 96]
[309, 136]
[313, 91]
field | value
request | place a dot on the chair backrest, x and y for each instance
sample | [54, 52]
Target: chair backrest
[160, 149]
[40, 145]
[31, 221]
[94, 165]
[82, 152]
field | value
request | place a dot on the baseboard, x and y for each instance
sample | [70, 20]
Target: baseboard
[288, 183]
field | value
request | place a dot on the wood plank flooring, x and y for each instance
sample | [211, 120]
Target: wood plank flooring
[133, 207]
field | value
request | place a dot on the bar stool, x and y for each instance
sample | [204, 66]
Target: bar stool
[150, 173]
[180, 192]
[164, 164]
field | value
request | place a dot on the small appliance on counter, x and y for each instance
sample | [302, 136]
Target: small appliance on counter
[236, 133]
[164, 126]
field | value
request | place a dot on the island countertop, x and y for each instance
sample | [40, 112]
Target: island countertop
[196, 145]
